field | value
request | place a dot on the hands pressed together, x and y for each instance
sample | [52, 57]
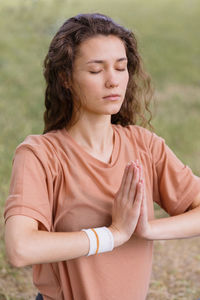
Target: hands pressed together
[129, 212]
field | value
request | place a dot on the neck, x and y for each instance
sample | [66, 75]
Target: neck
[94, 135]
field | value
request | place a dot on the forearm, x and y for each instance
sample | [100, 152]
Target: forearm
[38, 247]
[186, 225]
[48, 247]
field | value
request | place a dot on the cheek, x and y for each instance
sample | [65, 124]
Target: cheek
[86, 90]
[82, 87]
[89, 82]
[125, 80]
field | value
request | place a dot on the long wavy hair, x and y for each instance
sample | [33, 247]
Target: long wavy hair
[58, 67]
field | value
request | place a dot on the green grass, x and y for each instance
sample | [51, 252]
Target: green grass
[168, 37]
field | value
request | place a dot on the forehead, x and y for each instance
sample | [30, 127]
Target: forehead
[101, 47]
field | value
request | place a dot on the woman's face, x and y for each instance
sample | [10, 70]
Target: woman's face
[100, 75]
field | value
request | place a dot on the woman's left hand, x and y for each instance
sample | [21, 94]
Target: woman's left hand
[184, 225]
[143, 228]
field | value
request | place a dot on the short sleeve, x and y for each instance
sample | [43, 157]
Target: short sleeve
[174, 184]
[30, 188]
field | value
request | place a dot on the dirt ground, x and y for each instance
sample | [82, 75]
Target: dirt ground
[176, 270]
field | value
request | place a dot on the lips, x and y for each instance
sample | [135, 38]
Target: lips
[112, 97]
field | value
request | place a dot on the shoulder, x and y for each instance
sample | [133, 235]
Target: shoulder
[37, 158]
[39, 145]
[142, 139]
[139, 134]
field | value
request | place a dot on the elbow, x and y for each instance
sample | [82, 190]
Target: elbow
[16, 255]
[18, 240]
[15, 262]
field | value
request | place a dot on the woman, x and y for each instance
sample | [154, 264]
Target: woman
[77, 211]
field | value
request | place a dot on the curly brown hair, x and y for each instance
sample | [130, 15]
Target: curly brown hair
[58, 67]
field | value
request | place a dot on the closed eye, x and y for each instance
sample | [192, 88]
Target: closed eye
[93, 72]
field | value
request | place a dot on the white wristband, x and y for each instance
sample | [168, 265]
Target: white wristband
[101, 240]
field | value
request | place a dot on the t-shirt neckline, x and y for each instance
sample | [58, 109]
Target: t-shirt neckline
[90, 157]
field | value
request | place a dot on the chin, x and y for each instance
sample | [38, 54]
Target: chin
[113, 112]
[110, 110]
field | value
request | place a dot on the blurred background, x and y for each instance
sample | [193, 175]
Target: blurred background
[169, 42]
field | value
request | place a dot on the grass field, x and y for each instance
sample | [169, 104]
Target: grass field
[168, 36]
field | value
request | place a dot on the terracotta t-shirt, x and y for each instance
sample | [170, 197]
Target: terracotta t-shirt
[55, 181]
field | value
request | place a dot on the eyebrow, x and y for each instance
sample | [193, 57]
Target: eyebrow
[99, 61]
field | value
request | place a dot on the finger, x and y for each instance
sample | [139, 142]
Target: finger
[143, 179]
[139, 195]
[121, 189]
[139, 165]
[133, 187]
[128, 181]
[144, 201]
[141, 171]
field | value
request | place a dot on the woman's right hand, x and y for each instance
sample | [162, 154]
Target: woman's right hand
[127, 204]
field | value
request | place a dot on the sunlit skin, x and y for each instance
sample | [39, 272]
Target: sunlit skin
[100, 69]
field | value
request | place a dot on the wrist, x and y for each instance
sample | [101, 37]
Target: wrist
[118, 239]
[146, 232]
[101, 240]
[149, 233]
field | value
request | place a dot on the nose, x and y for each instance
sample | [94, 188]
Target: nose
[111, 80]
